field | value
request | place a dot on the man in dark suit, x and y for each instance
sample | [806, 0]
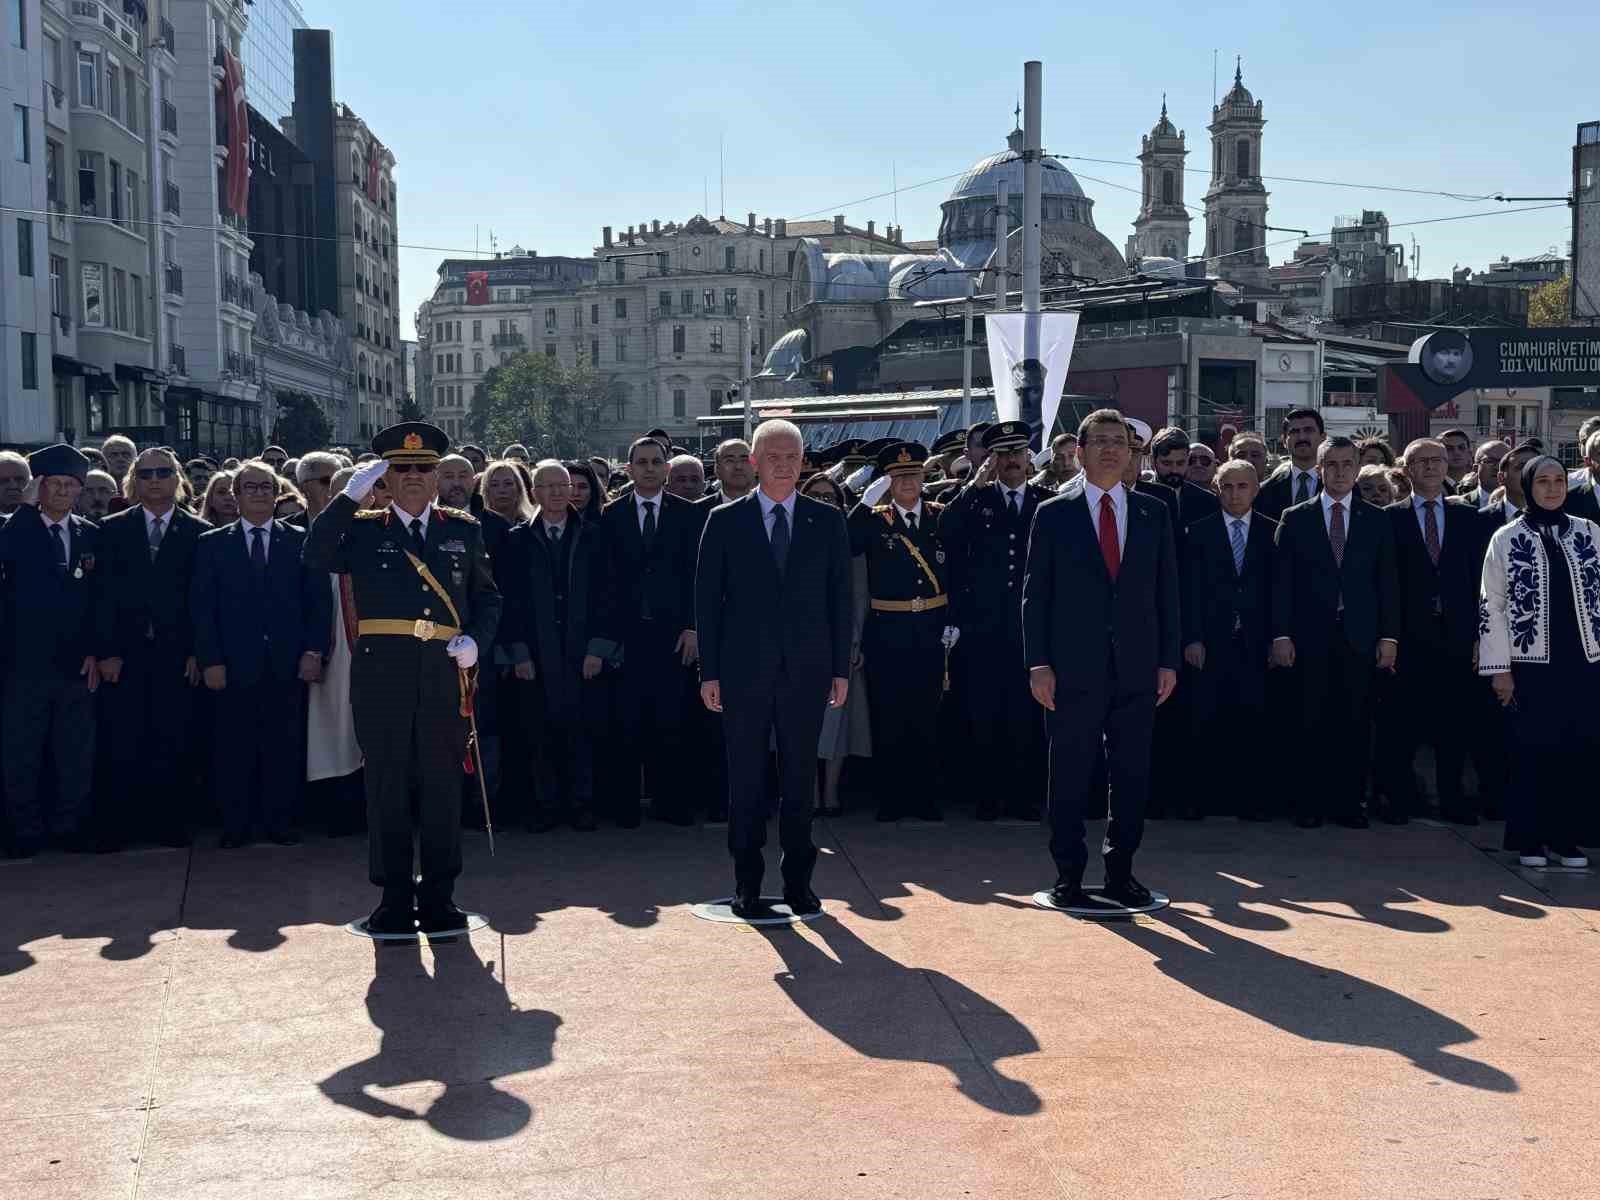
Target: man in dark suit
[772, 608]
[1101, 631]
[1582, 499]
[51, 591]
[1439, 561]
[1169, 455]
[648, 610]
[1335, 614]
[985, 532]
[1295, 484]
[262, 624]
[1486, 464]
[1227, 620]
[147, 656]
[549, 573]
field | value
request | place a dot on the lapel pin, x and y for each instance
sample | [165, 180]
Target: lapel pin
[78, 573]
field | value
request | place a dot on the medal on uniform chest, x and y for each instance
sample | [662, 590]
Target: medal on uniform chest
[78, 573]
[938, 557]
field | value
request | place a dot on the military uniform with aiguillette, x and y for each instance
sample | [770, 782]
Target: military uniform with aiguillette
[415, 589]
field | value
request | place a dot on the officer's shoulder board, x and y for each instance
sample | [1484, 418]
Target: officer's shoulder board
[371, 514]
[456, 514]
[880, 508]
[935, 506]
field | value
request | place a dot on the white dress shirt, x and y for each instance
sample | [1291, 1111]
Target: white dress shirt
[406, 518]
[914, 511]
[1006, 494]
[249, 537]
[768, 504]
[552, 530]
[1233, 520]
[1119, 506]
[1327, 511]
[1512, 512]
[1313, 484]
[640, 501]
[1422, 517]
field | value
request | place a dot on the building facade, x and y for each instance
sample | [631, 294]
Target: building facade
[366, 218]
[1161, 229]
[302, 355]
[26, 320]
[269, 55]
[1236, 202]
[1585, 303]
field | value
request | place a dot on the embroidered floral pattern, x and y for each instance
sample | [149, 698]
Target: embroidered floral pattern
[1483, 618]
[1586, 560]
[1523, 591]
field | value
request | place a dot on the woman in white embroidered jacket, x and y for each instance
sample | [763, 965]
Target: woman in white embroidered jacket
[1539, 644]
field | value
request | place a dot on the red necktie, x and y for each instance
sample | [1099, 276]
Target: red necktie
[1108, 538]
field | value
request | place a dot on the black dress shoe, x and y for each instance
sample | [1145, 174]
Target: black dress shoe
[1354, 821]
[718, 815]
[802, 902]
[284, 837]
[747, 905]
[230, 841]
[583, 821]
[1191, 812]
[177, 837]
[391, 919]
[1065, 895]
[1305, 821]
[441, 916]
[885, 815]
[23, 848]
[1129, 893]
[672, 816]
[1030, 815]
[1393, 814]
[630, 821]
[988, 810]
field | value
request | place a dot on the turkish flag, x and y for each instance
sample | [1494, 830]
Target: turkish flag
[237, 176]
[477, 287]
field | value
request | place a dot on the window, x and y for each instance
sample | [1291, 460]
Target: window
[549, 320]
[549, 349]
[1241, 157]
[761, 259]
[687, 297]
[94, 293]
[716, 399]
[622, 347]
[136, 300]
[727, 258]
[577, 316]
[621, 274]
[119, 299]
[761, 302]
[594, 314]
[477, 331]
[730, 300]
[665, 301]
[680, 402]
[58, 286]
[114, 189]
[438, 397]
[30, 362]
[88, 79]
[133, 201]
[52, 172]
[621, 308]
[24, 247]
[680, 337]
[1167, 187]
[21, 144]
[17, 19]
[88, 183]
[135, 100]
[477, 360]
[791, 262]
[113, 87]
[709, 296]
[716, 339]
[594, 352]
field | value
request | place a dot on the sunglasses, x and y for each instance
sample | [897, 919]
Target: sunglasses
[407, 468]
[155, 472]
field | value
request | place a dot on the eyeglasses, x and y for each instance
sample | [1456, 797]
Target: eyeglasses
[407, 468]
[257, 489]
[155, 472]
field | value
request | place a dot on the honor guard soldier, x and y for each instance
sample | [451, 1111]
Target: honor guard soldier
[985, 533]
[907, 629]
[427, 602]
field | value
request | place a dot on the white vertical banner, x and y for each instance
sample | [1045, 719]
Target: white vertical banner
[1029, 389]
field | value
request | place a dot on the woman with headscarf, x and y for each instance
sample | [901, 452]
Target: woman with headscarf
[1539, 644]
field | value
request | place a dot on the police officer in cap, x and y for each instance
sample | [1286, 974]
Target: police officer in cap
[427, 602]
[985, 532]
[907, 630]
[50, 644]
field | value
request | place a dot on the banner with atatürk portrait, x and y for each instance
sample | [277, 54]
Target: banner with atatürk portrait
[1029, 354]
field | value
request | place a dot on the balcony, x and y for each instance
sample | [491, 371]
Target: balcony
[169, 118]
[170, 199]
[168, 36]
[177, 363]
[237, 364]
[232, 289]
[55, 105]
[174, 279]
[60, 227]
[507, 339]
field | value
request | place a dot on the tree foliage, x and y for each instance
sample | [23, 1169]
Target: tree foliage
[1550, 303]
[533, 399]
[410, 410]
[301, 425]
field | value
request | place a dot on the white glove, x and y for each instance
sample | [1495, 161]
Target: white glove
[360, 485]
[464, 650]
[859, 480]
[875, 492]
[952, 635]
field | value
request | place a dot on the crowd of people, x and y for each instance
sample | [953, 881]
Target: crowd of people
[174, 657]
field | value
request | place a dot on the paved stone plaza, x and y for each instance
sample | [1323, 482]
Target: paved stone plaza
[1381, 1014]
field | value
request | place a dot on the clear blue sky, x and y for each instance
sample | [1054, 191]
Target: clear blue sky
[544, 122]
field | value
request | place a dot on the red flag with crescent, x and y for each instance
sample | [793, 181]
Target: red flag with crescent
[237, 176]
[374, 160]
[477, 287]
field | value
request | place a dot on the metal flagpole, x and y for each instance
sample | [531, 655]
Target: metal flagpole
[1002, 241]
[966, 354]
[1032, 98]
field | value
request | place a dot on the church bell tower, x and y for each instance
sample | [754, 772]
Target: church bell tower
[1236, 202]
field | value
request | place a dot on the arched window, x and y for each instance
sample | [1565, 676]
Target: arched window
[1241, 158]
[1216, 158]
[477, 360]
[1168, 187]
[1243, 235]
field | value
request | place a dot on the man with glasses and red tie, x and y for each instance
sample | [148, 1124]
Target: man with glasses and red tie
[1101, 635]
[427, 604]
[147, 656]
[50, 588]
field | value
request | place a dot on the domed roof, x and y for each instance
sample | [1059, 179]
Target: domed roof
[1238, 94]
[1164, 127]
[980, 179]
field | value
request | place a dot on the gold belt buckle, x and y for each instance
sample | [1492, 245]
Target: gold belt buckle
[916, 604]
[423, 630]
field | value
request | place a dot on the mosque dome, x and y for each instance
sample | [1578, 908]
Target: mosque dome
[982, 178]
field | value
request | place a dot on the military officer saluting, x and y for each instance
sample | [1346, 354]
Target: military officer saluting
[907, 628]
[985, 533]
[426, 602]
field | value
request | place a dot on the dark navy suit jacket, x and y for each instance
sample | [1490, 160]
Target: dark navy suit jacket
[258, 631]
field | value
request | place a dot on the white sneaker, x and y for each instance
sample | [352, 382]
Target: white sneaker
[1569, 857]
[1532, 858]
